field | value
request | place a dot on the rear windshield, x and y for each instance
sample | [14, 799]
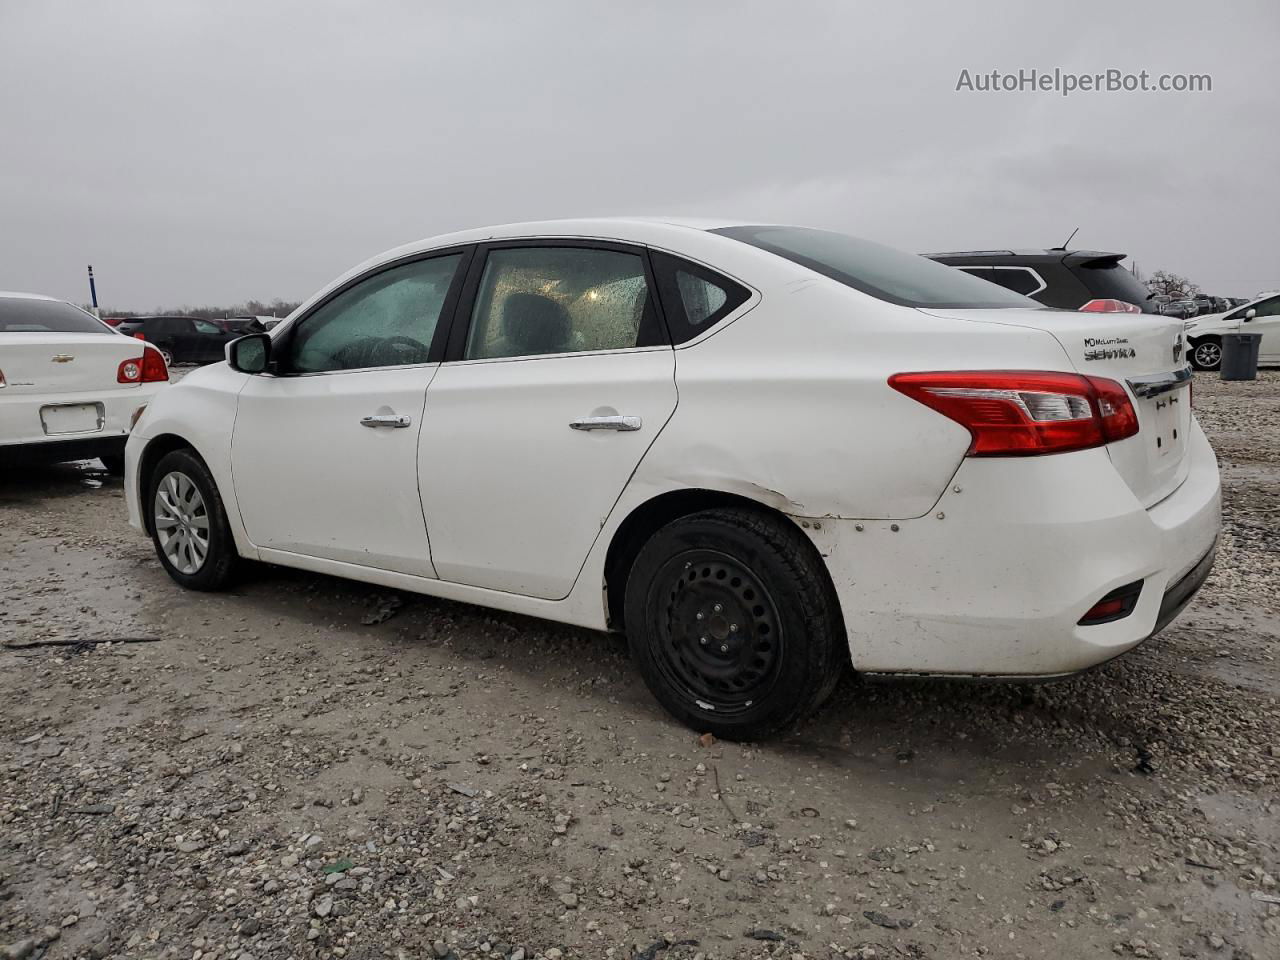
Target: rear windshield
[882, 272]
[20, 315]
[1109, 280]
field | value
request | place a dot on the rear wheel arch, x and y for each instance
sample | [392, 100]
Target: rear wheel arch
[654, 514]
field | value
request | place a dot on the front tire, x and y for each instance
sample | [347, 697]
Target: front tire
[189, 523]
[733, 623]
[1206, 354]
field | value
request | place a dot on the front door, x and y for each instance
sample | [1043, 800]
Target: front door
[324, 452]
[562, 380]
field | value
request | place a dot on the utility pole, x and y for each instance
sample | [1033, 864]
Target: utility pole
[93, 293]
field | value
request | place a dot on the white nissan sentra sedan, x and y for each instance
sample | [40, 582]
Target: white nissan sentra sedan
[763, 452]
[70, 386]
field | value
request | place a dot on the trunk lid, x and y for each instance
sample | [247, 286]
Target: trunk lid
[1139, 351]
[50, 362]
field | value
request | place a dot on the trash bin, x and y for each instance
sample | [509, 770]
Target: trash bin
[1240, 356]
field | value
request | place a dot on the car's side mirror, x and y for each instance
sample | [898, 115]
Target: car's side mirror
[1250, 314]
[251, 354]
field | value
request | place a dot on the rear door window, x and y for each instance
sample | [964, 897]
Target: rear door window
[542, 300]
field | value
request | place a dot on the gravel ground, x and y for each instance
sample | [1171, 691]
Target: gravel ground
[306, 767]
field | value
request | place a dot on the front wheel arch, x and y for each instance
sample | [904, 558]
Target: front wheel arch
[152, 453]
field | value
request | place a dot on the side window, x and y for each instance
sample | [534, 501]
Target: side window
[1018, 279]
[387, 320]
[1267, 308]
[535, 301]
[694, 298]
[982, 273]
[204, 326]
[172, 325]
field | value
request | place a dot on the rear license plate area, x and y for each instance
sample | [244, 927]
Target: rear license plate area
[1172, 420]
[60, 418]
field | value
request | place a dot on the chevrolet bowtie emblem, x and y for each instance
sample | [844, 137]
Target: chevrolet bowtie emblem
[63, 358]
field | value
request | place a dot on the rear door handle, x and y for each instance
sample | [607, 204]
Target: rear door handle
[390, 420]
[624, 424]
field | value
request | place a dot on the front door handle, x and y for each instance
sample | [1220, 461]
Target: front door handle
[606, 423]
[385, 421]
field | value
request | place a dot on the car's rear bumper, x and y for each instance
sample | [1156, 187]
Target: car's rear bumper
[995, 580]
[23, 433]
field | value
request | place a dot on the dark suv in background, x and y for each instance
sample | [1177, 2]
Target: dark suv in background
[180, 339]
[1071, 279]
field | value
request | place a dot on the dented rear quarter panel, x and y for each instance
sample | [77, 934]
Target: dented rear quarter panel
[790, 406]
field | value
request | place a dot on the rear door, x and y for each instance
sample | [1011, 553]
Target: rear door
[560, 379]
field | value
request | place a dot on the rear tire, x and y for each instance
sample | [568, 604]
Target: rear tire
[188, 523]
[1206, 354]
[733, 623]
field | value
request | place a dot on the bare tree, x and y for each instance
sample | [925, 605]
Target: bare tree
[1164, 283]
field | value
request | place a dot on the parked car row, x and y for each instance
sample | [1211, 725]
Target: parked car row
[763, 452]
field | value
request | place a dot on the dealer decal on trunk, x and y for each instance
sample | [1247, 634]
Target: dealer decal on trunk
[1099, 348]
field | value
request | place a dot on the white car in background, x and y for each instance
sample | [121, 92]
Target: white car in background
[1262, 316]
[70, 386]
[762, 452]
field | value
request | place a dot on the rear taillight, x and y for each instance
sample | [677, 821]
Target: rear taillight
[1025, 413]
[139, 335]
[148, 368]
[154, 369]
[1110, 306]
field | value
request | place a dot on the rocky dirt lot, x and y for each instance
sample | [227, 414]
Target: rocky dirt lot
[306, 767]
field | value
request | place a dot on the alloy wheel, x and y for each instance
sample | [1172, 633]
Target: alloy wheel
[1208, 355]
[181, 522]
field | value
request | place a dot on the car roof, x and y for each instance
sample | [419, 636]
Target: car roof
[14, 295]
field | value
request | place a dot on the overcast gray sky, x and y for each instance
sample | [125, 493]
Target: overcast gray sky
[212, 152]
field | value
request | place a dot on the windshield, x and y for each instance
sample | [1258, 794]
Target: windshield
[20, 315]
[882, 272]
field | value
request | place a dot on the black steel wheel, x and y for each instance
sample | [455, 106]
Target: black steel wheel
[721, 642]
[733, 623]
